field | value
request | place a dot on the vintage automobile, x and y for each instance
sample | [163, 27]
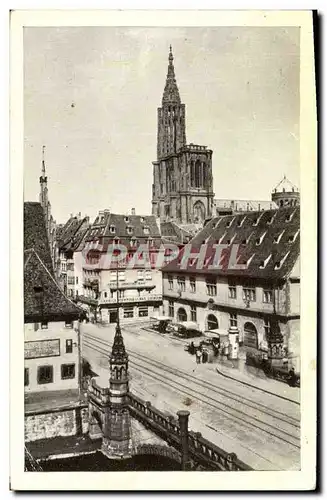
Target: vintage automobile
[186, 330]
[160, 324]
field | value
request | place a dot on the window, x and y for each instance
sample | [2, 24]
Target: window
[76, 280]
[232, 291]
[267, 327]
[129, 230]
[133, 242]
[71, 280]
[170, 283]
[112, 229]
[45, 374]
[67, 371]
[146, 230]
[70, 266]
[44, 325]
[249, 293]
[148, 275]
[233, 319]
[26, 377]
[69, 346]
[267, 296]
[126, 219]
[171, 309]
[211, 287]
[113, 276]
[192, 285]
[193, 313]
[128, 312]
[121, 276]
[181, 283]
[105, 294]
[63, 266]
[68, 324]
[143, 311]
[36, 327]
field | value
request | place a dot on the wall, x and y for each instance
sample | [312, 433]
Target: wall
[52, 424]
[222, 297]
[55, 330]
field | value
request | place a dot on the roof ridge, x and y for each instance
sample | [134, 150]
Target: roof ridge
[55, 282]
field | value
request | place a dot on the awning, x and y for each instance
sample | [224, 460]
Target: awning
[161, 318]
[215, 333]
[189, 325]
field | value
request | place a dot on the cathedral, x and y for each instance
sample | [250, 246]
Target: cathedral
[182, 188]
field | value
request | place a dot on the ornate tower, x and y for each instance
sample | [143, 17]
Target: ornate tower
[182, 188]
[116, 443]
[171, 116]
[43, 197]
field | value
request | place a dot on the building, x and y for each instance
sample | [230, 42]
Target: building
[182, 187]
[137, 280]
[286, 194]
[228, 206]
[51, 225]
[262, 300]
[68, 240]
[51, 320]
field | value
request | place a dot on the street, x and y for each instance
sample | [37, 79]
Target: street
[261, 428]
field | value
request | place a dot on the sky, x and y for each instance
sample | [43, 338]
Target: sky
[91, 96]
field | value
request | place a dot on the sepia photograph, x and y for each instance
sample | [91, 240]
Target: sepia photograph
[162, 229]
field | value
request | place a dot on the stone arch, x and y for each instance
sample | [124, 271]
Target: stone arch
[158, 450]
[199, 211]
[250, 337]
[212, 322]
[181, 314]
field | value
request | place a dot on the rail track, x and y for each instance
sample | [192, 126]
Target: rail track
[275, 424]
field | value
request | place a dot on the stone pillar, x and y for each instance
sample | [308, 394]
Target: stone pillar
[116, 443]
[183, 416]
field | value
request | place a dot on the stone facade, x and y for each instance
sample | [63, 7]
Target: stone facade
[182, 187]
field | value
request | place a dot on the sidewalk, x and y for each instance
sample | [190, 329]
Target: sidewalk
[254, 377]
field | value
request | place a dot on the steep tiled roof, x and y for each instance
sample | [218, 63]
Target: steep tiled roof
[125, 228]
[43, 299]
[244, 205]
[71, 232]
[269, 244]
[175, 233]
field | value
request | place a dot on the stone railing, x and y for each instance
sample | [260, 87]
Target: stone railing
[98, 393]
[201, 451]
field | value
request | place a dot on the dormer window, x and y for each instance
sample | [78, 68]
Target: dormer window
[279, 263]
[44, 325]
[230, 222]
[263, 263]
[240, 222]
[244, 242]
[126, 219]
[116, 241]
[255, 221]
[146, 230]
[277, 238]
[142, 219]
[289, 217]
[38, 290]
[68, 324]
[270, 220]
[259, 240]
[112, 229]
[221, 239]
[129, 230]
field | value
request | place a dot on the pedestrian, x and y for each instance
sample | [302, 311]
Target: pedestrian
[204, 356]
[192, 348]
[198, 356]
[292, 377]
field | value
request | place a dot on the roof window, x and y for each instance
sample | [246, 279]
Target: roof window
[112, 229]
[277, 238]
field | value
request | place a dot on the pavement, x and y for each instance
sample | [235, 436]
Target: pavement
[254, 377]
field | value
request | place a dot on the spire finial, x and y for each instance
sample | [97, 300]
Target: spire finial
[43, 161]
[171, 57]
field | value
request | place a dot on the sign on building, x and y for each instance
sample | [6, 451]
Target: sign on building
[42, 348]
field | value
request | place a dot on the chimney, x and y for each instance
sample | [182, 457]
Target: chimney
[133, 211]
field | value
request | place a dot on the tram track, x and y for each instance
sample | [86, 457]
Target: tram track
[147, 367]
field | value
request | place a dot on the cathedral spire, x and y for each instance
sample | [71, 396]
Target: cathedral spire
[43, 162]
[171, 92]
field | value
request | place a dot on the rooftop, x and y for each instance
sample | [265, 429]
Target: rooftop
[268, 244]
[285, 186]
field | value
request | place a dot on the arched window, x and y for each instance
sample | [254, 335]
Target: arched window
[250, 335]
[198, 174]
[181, 314]
[199, 211]
[212, 322]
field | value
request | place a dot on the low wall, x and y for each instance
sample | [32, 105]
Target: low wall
[47, 424]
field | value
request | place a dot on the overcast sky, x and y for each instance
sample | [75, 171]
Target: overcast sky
[91, 96]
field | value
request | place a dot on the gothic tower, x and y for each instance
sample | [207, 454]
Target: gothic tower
[116, 443]
[171, 116]
[182, 174]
